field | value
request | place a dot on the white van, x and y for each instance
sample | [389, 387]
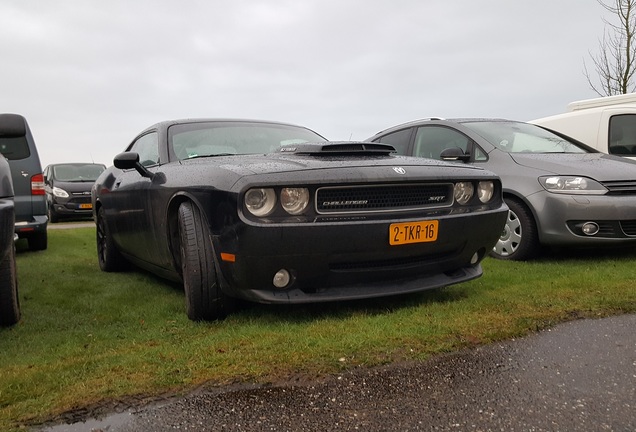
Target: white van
[607, 123]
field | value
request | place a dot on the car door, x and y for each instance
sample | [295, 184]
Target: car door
[431, 141]
[131, 210]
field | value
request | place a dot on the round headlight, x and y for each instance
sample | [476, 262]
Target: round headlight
[485, 191]
[463, 192]
[294, 200]
[260, 202]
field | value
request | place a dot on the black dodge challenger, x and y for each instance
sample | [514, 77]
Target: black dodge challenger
[273, 213]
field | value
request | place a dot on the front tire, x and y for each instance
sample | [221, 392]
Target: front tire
[519, 240]
[53, 217]
[204, 298]
[108, 256]
[9, 301]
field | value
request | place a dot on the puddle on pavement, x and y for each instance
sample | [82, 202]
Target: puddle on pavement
[93, 425]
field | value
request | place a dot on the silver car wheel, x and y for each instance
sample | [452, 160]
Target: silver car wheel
[510, 238]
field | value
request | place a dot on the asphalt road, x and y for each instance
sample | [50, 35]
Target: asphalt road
[578, 376]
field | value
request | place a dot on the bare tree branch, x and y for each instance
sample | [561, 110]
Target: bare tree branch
[615, 64]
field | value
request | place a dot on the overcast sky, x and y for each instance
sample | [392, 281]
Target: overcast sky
[90, 75]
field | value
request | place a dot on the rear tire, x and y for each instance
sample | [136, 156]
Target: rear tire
[9, 301]
[204, 297]
[108, 256]
[38, 241]
[519, 240]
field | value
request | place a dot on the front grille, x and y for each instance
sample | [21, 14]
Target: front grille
[627, 187]
[379, 198]
[606, 229]
[81, 199]
[629, 227]
[394, 263]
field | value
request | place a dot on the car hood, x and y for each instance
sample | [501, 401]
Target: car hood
[280, 163]
[80, 186]
[598, 166]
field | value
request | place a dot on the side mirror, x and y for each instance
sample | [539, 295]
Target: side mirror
[454, 154]
[130, 160]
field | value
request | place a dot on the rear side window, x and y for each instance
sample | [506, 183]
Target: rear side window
[622, 135]
[399, 140]
[15, 148]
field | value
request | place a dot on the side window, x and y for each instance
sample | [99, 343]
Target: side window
[14, 148]
[431, 140]
[622, 135]
[148, 148]
[399, 140]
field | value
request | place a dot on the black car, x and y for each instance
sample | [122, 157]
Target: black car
[18, 146]
[272, 213]
[9, 303]
[68, 189]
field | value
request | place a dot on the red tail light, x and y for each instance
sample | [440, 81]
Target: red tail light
[37, 184]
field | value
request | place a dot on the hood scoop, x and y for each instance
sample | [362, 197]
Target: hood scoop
[338, 148]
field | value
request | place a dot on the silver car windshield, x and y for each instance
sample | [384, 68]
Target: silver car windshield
[517, 137]
[234, 138]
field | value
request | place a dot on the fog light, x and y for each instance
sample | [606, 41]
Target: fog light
[282, 278]
[475, 259]
[590, 228]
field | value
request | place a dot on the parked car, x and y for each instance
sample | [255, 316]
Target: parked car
[9, 302]
[68, 189]
[559, 191]
[18, 146]
[607, 123]
[253, 210]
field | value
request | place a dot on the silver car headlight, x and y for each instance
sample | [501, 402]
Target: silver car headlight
[572, 185]
[260, 202]
[485, 191]
[463, 192]
[60, 193]
[294, 200]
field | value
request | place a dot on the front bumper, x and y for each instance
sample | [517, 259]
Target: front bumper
[559, 216]
[346, 260]
[73, 207]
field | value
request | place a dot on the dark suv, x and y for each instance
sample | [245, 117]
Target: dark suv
[68, 189]
[18, 146]
[9, 304]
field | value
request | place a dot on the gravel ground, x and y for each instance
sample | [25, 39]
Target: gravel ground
[578, 376]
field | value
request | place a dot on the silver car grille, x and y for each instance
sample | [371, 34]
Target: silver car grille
[383, 198]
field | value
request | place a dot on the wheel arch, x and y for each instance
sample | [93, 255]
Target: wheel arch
[507, 194]
[172, 217]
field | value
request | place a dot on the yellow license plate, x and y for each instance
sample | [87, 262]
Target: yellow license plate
[413, 232]
[86, 206]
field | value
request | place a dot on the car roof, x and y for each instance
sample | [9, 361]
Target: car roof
[441, 120]
[167, 123]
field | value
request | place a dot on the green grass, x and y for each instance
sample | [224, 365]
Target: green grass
[86, 336]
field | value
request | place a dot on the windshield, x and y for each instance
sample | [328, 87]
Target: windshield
[234, 138]
[518, 137]
[77, 172]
